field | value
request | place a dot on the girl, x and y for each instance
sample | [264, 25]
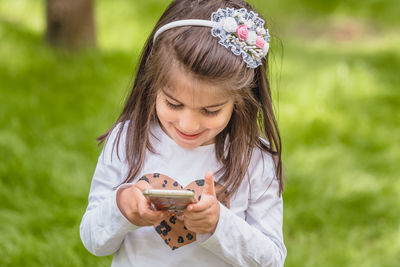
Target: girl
[199, 106]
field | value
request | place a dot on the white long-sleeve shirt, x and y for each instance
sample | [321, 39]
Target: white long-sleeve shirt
[247, 234]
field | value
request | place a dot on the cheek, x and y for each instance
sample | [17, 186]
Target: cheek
[220, 122]
[164, 113]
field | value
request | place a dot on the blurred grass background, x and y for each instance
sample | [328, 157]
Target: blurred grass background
[336, 85]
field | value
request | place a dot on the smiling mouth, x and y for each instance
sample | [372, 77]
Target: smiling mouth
[187, 136]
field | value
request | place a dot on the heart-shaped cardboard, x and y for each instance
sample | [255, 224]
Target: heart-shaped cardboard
[173, 231]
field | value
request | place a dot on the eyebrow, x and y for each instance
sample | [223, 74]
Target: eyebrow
[211, 106]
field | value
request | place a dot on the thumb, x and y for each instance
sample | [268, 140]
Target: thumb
[142, 185]
[209, 188]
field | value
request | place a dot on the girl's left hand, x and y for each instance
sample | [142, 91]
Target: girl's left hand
[202, 217]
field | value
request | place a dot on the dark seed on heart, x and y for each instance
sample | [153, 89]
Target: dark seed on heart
[200, 182]
[144, 178]
[163, 228]
[189, 236]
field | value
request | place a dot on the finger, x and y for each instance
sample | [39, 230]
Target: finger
[142, 185]
[139, 194]
[158, 216]
[145, 210]
[202, 205]
[143, 204]
[196, 227]
[209, 188]
[150, 215]
[195, 216]
[147, 222]
[195, 224]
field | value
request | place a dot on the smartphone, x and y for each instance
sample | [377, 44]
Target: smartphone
[174, 201]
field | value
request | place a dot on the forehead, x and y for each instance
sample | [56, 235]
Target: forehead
[194, 91]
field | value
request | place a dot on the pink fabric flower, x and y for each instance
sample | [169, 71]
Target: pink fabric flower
[260, 42]
[242, 32]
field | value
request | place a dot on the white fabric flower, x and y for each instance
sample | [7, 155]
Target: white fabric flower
[265, 49]
[251, 38]
[261, 31]
[230, 24]
[242, 32]
[241, 18]
[249, 24]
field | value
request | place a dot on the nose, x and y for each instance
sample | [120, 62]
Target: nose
[189, 122]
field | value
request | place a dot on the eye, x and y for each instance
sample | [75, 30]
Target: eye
[172, 106]
[211, 113]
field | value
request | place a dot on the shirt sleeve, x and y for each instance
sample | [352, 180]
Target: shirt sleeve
[103, 226]
[256, 240]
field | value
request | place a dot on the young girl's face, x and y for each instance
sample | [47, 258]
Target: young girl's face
[192, 112]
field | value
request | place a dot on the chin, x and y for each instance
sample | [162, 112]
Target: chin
[187, 145]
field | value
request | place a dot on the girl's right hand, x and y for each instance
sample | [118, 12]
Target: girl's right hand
[136, 208]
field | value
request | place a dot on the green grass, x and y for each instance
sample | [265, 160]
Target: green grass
[339, 114]
[341, 141]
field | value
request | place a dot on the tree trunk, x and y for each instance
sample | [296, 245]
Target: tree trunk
[70, 23]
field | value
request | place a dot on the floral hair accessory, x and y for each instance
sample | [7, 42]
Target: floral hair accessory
[241, 31]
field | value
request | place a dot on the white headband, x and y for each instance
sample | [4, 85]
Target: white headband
[238, 29]
[185, 22]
